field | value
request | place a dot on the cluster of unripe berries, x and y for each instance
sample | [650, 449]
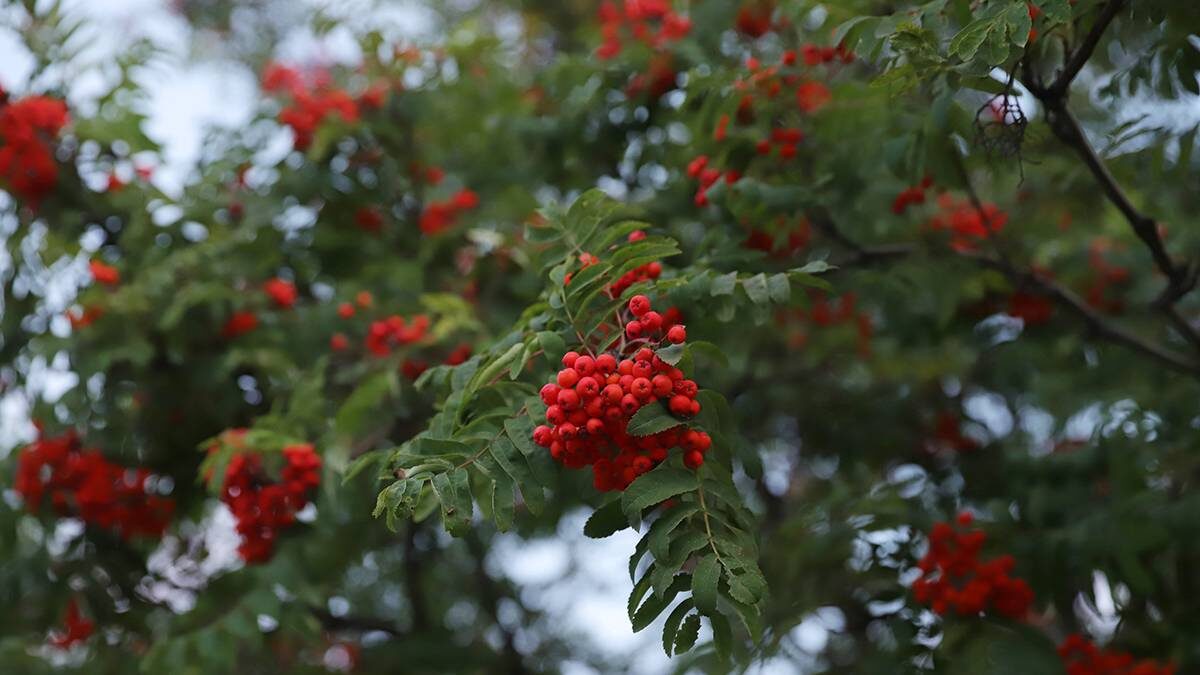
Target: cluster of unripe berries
[593, 399]
[954, 578]
[263, 507]
[84, 484]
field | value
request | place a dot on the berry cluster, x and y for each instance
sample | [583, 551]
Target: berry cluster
[776, 245]
[311, 104]
[754, 18]
[261, 506]
[590, 404]
[647, 272]
[439, 216]
[84, 484]
[966, 223]
[652, 22]
[785, 139]
[388, 333]
[27, 127]
[698, 168]
[815, 56]
[825, 312]
[955, 579]
[911, 195]
[1081, 657]
[104, 274]
[76, 628]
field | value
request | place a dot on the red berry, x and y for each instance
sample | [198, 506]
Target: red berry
[555, 415]
[568, 359]
[567, 377]
[677, 334]
[595, 426]
[543, 435]
[549, 393]
[639, 305]
[965, 518]
[630, 404]
[681, 405]
[613, 393]
[585, 365]
[606, 363]
[567, 430]
[633, 329]
[651, 322]
[693, 459]
[587, 387]
[568, 399]
[641, 388]
[662, 385]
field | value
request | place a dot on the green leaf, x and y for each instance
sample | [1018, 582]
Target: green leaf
[514, 464]
[651, 419]
[659, 536]
[723, 284]
[966, 43]
[654, 605]
[454, 493]
[997, 648]
[671, 627]
[705, 581]
[552, 345]
[670, 354]
[756, 289]
[779, 287]
[606, 521]
[689, 630]
[654, 487]
[722, 636]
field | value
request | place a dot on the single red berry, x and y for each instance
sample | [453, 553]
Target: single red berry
[595, 426]
[639, 305]
[568, 399]
[568, 359]
[633, 329]
[613, 393]
[587, 387]
[549, 393]
[681, 405]
[677, 334]
[965, 518]
[338, 342]
[606, 363]
[662, 385]
[556, 415]
[567, 377]
[543, 435]
[585, 365]
[641, 388]
[693, 459]
[630, 404]
[567, 431]
[345, 310]
[651, 322]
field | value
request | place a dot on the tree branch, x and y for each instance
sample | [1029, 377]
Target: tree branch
[1098, 323]
[1081, 55]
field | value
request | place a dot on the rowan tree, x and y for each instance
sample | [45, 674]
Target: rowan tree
[877, 316]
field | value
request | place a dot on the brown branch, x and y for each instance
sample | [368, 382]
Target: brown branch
[1098, 323]
[1181, 277]
[1081, 55]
